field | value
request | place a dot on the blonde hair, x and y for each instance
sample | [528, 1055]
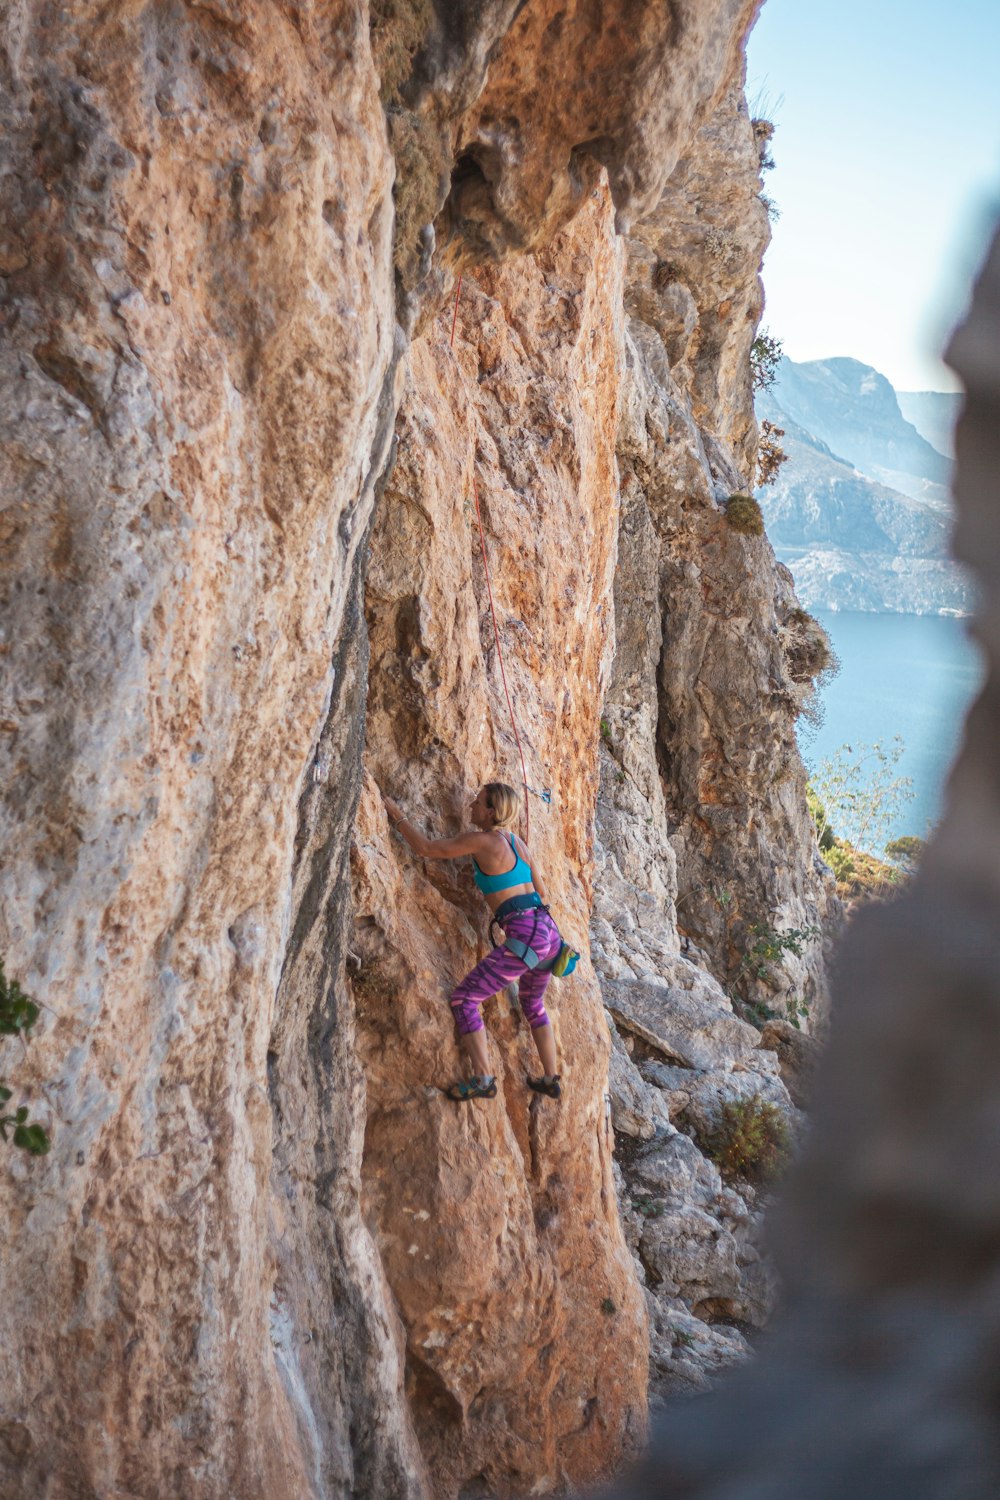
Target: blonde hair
[503, 802]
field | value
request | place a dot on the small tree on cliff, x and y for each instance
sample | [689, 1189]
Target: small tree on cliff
[860, 793]
[770, 454]
[765, 356]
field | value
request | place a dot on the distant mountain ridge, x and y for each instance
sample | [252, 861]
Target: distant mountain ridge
[855, 411]
[933, 414]
[861, 511]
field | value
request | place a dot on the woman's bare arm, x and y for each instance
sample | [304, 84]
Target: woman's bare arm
[451, 848]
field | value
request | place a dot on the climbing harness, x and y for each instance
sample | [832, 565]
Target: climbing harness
[565, 960]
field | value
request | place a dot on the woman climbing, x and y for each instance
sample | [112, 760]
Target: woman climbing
[516, 898]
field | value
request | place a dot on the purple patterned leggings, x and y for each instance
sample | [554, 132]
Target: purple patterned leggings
[501, 966]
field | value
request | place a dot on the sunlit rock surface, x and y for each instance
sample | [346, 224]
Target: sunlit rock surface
[497, 1221]
[241, 587]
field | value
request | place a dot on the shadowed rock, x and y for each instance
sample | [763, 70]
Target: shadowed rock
[879, 1380]
[682, 1024]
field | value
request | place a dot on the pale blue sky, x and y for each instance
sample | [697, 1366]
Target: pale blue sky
[887, 174]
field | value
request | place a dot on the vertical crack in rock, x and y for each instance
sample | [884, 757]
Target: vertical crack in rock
[334, 1328]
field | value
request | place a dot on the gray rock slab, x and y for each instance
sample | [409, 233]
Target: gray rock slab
[692, 1256]
[686, 1352]
[636, 1107]
[711, 1092]
[672, 1168]
[681, 1025]
[796, 1055]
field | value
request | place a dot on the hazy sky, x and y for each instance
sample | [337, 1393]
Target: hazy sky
[887, 175]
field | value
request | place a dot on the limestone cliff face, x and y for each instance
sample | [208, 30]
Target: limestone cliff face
[888, 1239]
[704, 839]
[703, 791]
[497, 1222]
[266, 1258]
[197, 339]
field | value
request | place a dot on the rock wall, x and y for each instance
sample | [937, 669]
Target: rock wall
[241, 587]
[704, 838]
[703, 790]
[878, 1379]
[497, 1222]
[197, 348]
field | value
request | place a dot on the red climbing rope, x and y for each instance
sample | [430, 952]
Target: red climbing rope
[503, 674]
[496, 628]
[454, 316]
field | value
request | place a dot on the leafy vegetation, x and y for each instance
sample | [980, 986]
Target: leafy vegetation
[765, 356]
[770, 946]
[649, 1207]
[770, 454]
[767, 952]
[752, 1140]
[808, 649]
[18, 1014]
[824, 833]
[812, 662]
[855, 799]
[861, 792]
[905, 852]
[744, 515]
[763, 134]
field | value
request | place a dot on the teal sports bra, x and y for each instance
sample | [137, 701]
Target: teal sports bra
[518, 874]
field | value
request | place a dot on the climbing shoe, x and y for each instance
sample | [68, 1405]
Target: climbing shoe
[472, 1088]
[550, 1087]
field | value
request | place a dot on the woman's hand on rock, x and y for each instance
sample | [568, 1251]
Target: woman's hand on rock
[393, 809]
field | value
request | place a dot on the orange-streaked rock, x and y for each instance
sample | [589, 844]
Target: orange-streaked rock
[497, 1221]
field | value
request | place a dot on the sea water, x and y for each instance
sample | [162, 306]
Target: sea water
[911, 675]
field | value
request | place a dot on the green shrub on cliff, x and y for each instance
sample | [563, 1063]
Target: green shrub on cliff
[824, 833]
[744, 515]
[771, 944]
[906, 852]
[763, 134]
[752, 1140]
[770, 454]
[18, 1014]
[855, 797]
